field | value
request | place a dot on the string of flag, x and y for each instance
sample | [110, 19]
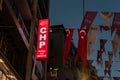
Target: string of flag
[88, 34]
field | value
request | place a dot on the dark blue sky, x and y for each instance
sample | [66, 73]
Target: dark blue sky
[70, 14]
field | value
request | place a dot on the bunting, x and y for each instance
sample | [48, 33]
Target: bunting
[82, 46]
[102, 44]
[114, 47]
[106, 28]
[107, 68]
[106, 17]
[92, 38]
[88, 19]
[69, 34]
[117, 38]
[116, 22]
[116, 44]
[99, 57]
[110, 56]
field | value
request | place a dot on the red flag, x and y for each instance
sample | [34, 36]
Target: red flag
[107, 68]
[107, 71]
[110, 56]
[114, 47]
[88, 19]
[99, 57]
[76, 58]
[82, 45]
[116, 22]
[102, 44]
[108, 65]
[67, 44]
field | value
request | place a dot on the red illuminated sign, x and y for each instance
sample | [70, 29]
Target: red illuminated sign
[42, 41]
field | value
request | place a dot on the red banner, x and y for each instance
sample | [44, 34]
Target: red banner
[99, 57]
[107, 68]
[88, 19]
[67, 44]
[102, 44]
[42, 41]
[116, 22]
[82, 46]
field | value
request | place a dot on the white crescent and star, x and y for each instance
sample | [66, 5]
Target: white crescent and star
[68, 32]
[82, 32]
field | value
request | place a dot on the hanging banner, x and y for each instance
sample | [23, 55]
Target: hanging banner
[99, 57]
[92, 39]
[106, 17]
[42, 41]
[82, 46]
[105, 28]
[88, 20]
[107, 68]
[67, 44]
[102, 44]
[116, 22]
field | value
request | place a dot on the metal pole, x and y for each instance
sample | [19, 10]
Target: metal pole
[30, 52]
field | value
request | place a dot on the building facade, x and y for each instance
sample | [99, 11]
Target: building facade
[57, 35]
[18, 35]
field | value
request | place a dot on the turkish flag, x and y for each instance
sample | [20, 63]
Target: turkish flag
[67, 44]
[82, 45]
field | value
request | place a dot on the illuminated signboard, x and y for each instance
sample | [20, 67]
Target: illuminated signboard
[42, 41]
